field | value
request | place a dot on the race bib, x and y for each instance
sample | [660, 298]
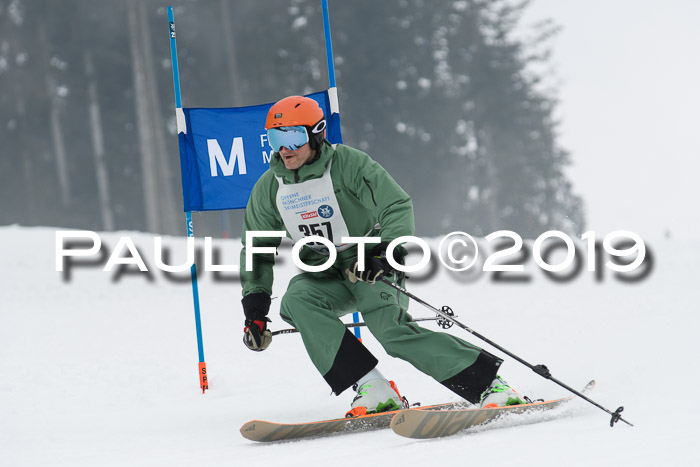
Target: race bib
[311, 208]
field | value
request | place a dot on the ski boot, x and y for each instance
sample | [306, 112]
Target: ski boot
[374, 396]
[500, 394]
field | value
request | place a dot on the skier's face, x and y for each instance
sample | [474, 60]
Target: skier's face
[295, 159]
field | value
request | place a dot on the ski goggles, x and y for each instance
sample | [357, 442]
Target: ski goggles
[290, 137]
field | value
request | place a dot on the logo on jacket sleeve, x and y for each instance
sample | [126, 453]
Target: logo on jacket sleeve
[325, 211]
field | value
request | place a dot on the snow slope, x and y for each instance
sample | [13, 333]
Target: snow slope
[95, 371]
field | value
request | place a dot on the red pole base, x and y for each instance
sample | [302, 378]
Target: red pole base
[203, 381]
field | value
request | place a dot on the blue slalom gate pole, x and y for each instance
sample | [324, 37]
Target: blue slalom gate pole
[329, 45]
[203, 380]
[333, 95]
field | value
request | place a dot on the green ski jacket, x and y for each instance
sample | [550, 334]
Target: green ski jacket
[369, 199]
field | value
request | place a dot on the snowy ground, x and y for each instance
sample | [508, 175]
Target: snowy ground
[98, 372]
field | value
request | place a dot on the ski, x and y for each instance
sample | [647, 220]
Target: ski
[438, 423]
[264, 431]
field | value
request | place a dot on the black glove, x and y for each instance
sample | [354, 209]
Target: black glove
[256, 336]
[376, 265]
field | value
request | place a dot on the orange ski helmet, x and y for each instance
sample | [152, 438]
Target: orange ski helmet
[299, 111]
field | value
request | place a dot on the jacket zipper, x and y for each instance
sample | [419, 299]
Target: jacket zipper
[370, 190]
[296, 175]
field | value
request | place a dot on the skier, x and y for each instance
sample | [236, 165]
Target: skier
[313, 188]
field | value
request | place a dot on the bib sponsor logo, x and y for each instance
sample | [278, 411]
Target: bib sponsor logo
[309, 215]
[325, 211]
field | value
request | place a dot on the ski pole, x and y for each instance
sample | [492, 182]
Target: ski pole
[439, 319]
[541, 370]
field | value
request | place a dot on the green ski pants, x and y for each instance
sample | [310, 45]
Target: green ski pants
[314, 303]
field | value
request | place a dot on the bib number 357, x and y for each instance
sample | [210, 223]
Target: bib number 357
[322, 229]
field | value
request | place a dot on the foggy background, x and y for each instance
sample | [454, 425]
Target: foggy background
[627, 74]
[490, 114]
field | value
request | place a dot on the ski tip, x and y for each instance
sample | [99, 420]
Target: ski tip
[402, 418]
[590, 386]
[247, 428]
[255, 429]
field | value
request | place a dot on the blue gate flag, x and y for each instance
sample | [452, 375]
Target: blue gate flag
[223, 151]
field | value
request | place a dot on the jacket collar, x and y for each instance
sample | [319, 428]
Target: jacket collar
[308, 171]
